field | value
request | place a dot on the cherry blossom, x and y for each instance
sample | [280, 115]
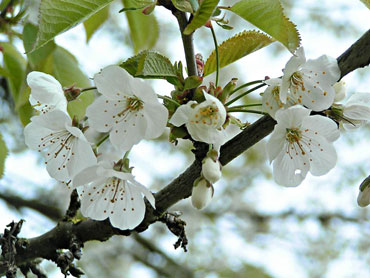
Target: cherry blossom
[301, 143]
[203, 121]
[128, 108]
[356, 111]
[108, 193]
[310, 83]
[271, 97]
[66, 150]
[202, 193]
[46, 92]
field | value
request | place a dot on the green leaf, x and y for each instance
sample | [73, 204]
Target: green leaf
[15, 65]
[183, 5]
[3, 4]
[64, 67]
[144, 29]
[202, 15]
[235, 48]
[366, 3]
[138, 4]
[57, 16]
[3, 154]
[93, 23]
[149, 65]
[268, 15]
[37, 57]
[77, 107]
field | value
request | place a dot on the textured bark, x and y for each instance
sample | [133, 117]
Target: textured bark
[64, 233]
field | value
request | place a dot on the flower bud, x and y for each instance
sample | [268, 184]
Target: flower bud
[363, 198]
[340, 91]
[211, 169]
[202, 193]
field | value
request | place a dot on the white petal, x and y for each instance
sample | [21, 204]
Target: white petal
[103, 113]
[47, 90]
[290, 170]
[340, 90]
[323, 156]
[83, 157]
[86, 176]
[156, 116]
[128, 132]
[181, 115]
[270, 102]
[33, 134]
[114, 82]
[144, 91]
[276, 142]
[129, 209]
[54, 120]
[205, 133]
[319, 125]
[358, 107]
[145, 191]
[292, 117]
[324, 69]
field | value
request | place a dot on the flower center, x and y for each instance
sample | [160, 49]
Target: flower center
[134, 104]
[293, 136]
[207, 115]
[296, 81]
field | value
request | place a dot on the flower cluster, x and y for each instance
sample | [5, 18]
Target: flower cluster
[129, 110]
[304, 102]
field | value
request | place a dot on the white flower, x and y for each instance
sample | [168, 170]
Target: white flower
[271, 97]
[202, 194]
[46, 92]
[340, 90]
[211, 169]
[67, 151]
[128, 108]
[357, 110]
[301, 143]
[310, 82]
[110, 193]
[203, 121]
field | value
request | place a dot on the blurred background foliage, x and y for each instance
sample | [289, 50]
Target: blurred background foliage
[253, 228]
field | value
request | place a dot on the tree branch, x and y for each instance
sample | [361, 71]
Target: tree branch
[60, 237]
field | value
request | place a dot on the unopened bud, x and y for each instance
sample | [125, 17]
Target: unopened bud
[211, 169]
[202, 193]
[340, 91]
[363, 198]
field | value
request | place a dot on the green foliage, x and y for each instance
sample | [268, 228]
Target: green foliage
[149, 64]
[366, 3]
[202, 15]
[183, 5]
[57, 16]
[3, 155]
[95, 21]
[38, 57]
[64, 67]
[235, 48]
[268, 15]
[3, 4]
[144, 29]
[77, 107]
[15, 65]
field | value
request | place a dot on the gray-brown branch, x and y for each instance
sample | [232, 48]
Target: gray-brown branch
[180, 188]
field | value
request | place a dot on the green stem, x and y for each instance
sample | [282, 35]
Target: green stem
[244, 94]
[88, 89]
[169, 99]
[102, 140]
[244, 105]
[217, 55]
[248, 111]
[245, 85]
